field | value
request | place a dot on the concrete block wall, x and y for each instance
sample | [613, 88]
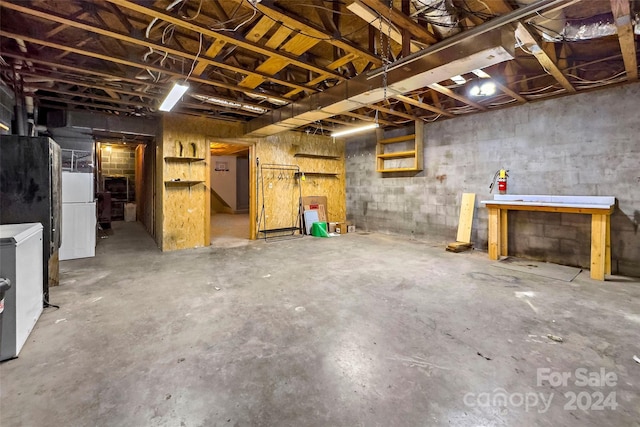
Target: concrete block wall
[586, 144]
[121, 161]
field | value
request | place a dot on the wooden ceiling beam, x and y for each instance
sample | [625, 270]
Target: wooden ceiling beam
[163, 15]
[56, 30]
[124, 102]
[451, 94]
[122, 18]
[401, 20]
[82, 104]
[421, 105]
[325, 17]
[138, 65]
[91, 27]
[392, 112]
[366, 118]
[154, 96]
[533, 44]
[312, 30]
[622, 15]
[220, 12]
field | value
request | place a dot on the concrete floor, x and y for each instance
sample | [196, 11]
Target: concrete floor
[229, 230]
[362, 329]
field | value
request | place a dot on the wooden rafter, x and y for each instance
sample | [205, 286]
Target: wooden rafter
[533, 44]
[92, 27]
[312, 30]
[420, 104]
[401, 20]
[392, 112]
[622, 15]
[451, 94]
[107, 58]
[161, 14]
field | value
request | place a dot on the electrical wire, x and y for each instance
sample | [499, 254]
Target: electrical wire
[193, 64]
[187, 18]
[255, 11]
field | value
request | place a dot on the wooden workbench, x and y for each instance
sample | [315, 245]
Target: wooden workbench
[599, 207]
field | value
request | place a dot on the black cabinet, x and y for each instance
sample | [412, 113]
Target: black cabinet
[118, 187]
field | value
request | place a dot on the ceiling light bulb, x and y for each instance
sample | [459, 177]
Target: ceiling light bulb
[488, 88]
[475, 90]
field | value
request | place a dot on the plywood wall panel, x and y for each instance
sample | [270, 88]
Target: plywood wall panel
[282, 149]
[186, 210]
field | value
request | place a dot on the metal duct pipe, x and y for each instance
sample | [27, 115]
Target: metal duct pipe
[463, 57]
[440, 14]
[550, 25]
[21, 117]
[591, 28]
[479, 47]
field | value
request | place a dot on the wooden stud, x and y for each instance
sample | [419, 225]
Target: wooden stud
[598, 245]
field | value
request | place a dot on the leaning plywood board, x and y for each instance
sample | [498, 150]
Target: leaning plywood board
[464, 224]
[466, 217]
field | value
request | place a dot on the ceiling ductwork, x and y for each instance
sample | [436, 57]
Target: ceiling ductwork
[440, 14]
[430, 66]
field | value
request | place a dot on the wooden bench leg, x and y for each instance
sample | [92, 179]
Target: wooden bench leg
[494, 233]
[598, 246]
[504, 235]
[607, 254]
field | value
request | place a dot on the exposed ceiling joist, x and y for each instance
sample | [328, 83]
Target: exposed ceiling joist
[401, 20]
[161, 14]
[533, 44]
[622, 16]
[206, 59]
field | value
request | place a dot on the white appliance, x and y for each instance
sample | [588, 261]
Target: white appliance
[20, 250]
[78, 216]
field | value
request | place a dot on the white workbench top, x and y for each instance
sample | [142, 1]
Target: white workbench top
[580, 202]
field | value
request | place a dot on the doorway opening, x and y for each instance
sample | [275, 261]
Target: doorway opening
[230, 223]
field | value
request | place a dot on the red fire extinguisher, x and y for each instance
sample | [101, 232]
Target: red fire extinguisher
[501, 177]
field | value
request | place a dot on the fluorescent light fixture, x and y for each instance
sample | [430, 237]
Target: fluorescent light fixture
[230, 104]
[3, 126]
[176, 93]
[354, 130]
[459, 80]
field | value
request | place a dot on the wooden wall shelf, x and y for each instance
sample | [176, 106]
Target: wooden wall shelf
[182, 183]
[321, 174]
[183, 159]
[415, 153]
[316, 156]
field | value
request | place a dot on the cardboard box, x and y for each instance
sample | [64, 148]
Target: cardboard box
[129, 212]
[351, 228]
[341, 228]
[332, 227]
[316, 203]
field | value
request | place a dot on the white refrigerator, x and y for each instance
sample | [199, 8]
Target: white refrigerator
[78, 216]
[20, 255]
